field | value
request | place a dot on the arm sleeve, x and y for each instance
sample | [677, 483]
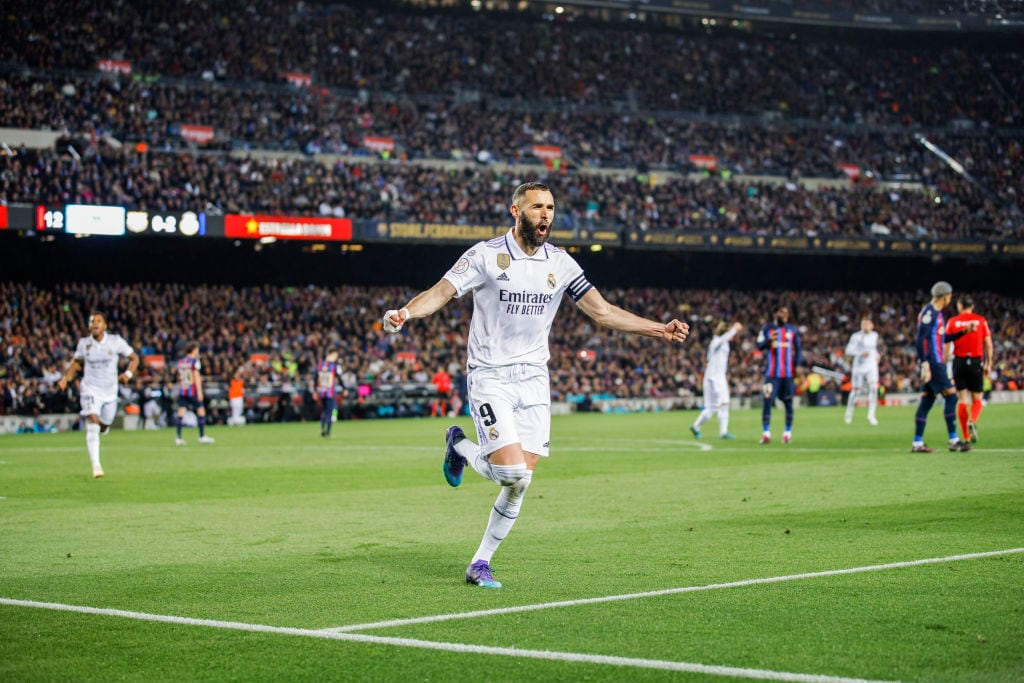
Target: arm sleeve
[919, 342]
[469, 271]
[851, 346]
[953, 336]
[125, 348]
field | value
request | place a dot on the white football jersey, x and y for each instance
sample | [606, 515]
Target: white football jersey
[718, 354]
[860, 343]
[99, 364]
[515, 298]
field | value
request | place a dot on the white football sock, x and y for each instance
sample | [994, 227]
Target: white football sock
[477, 460]
[467, 449]
[704, 416]
[503, 516]
[851, 403]
[92, 442]
[723, 420]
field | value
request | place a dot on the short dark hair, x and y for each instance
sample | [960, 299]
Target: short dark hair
[521, 191]
[965, 302]
[191, 346]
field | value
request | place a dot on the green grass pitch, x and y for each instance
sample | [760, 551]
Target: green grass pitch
[640, 555]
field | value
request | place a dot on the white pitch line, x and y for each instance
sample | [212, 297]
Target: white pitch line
[735, 672]
[667, 591]
[887, 450]
[612, 449]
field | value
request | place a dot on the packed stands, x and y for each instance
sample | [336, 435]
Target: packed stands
[659, 129]
[277, 334]
[650, 101]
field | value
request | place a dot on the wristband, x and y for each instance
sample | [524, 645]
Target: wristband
[128, 374]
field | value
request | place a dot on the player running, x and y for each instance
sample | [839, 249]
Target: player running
[517, 281]
[97, 357]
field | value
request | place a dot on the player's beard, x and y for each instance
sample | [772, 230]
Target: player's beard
[531, 232]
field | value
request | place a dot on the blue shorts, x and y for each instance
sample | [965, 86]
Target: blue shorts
[940, 380]
[777, 387]
[189, 403]
[328, 404]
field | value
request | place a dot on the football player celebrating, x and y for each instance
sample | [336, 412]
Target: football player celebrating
[517, 282]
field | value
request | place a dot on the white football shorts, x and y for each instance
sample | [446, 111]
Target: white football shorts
[865, 380]
[106, 411]
[716, 391]
[511, 404]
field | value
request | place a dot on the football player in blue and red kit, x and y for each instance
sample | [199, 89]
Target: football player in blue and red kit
[327, 385]
[190, 393]
[780, 342]
[930, 342]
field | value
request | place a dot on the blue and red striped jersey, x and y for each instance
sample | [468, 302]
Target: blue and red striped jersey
[187, 384]
[781, 346]
[931, 327]
[327, 379]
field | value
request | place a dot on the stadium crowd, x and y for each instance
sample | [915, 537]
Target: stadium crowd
[993, 8]
[636, 112]
[649, 101]
[377, 48]
[250, 116]
[477, 195]
[276, 335]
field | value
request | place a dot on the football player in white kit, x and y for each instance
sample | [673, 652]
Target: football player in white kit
[517, 281]
[863, 349]
[716, 386]
[97, 356]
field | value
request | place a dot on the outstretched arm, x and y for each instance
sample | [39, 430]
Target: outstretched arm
[423, 304]
[611, 316]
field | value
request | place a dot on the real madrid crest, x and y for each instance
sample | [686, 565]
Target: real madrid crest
[492, 434]
[551, 281]
[504, 261]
